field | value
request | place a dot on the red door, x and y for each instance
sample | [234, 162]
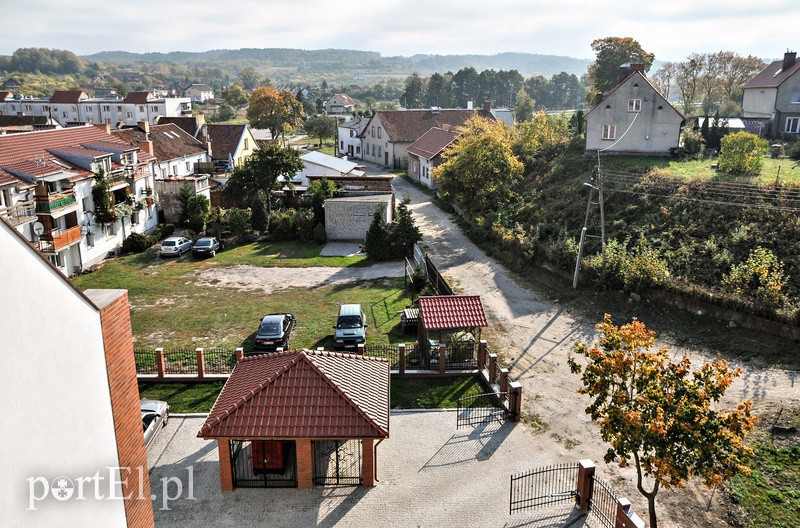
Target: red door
[267, 456]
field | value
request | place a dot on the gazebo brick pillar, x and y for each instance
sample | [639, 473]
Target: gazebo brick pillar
[442, 358]
[239, 354]
[225, 470]
[492, 368]
[367, 462]
[305, 464]
[401, 359]
[502, 382]
[482, 345]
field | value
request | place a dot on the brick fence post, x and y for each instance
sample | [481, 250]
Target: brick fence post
[305, 472]
[225, 473]
[624, 514]
[367, 463]
[160, 364]
[201, 362]
[401, 358]
[239, 354]
[482, 354]
[360, 349]
[585, 484]
[515, 401]
[492, 368]
[442, 358]
[503, 383]
[279, 350]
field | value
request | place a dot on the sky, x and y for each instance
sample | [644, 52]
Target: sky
[671, 29]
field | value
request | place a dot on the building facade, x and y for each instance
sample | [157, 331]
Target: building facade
[773, 98]
[634, 118]
[425, 154]
[349, 137]
[199, 93]
[340, 104]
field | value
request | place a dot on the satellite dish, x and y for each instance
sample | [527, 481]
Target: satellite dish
[38, 228]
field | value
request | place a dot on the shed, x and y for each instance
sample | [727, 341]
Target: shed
[452, 320]
[349, 217]
[295, 419]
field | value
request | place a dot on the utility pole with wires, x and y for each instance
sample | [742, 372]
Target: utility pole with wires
[595, 185]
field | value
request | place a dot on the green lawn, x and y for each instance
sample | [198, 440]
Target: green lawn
[171, 308]
[770, 496]
[702, 168]
[422, 393]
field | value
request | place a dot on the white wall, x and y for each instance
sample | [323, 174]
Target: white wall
[53, 380]
[346, 141]
[759, 102]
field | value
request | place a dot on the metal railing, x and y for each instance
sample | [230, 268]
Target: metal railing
[180, 361]
[54, 201]
[145, 361]
[20, 213]
[219, 360]
[392, 353]
[461, 355]
[603, 503]
[542, 487]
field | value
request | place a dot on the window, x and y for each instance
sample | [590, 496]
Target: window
[358, 150]
[379, 132]
[141, 108]
[634, 105]
[154, 108]
[352, 133]
[188, 166]
[119, 108]
[89, 109]
[795, 98]
[379, 152]
[63, 114]
[373, 150]
[373, 131]
[106, 108]
[793, 125]
[341, 145]
[609, 131]
[57, 260]
[246, 143]
[128, 115]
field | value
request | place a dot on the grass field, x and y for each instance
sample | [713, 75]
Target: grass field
[770, 496]
[427, 393]
[170, 308]
[702, 168]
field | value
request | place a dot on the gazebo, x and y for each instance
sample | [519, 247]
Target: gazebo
[452, 320]
[295, 419]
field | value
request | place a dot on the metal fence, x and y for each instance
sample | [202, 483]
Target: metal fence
[145, 361]
[180, 361]
[461, 355]
[220, 360]
[603, 503]
[543, 487]
[392, 353]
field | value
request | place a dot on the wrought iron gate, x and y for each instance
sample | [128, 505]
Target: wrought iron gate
[542, 487]
[337, 462]
[280, 472]
[603, 503]
[483, 409]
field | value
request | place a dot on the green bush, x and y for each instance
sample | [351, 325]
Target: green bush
[284, 229]
[258, 213]
[377, 244]
[197, 224]
[238, 222]
[303, 224]
[794, 150]
[692, 142]
[632, 269]
[165, 230]
[320, 235]
[562, 251]
[760, 279]
[136, 243]
[742, 153]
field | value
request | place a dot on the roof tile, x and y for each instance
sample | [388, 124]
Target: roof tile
[451, 311]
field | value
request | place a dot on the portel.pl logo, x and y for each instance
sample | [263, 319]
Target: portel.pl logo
[107, 486]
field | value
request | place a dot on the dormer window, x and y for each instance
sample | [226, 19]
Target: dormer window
[634, 105]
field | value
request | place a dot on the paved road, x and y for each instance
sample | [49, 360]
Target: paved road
[534, 336]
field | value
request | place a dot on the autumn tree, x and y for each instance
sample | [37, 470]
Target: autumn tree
[660, 415]
[276, 111]
[523, 106]
[611, 53]
[742, 153]
[687, 80]
[264, 172]
[235, 96]
[320, 127]
[480, 168]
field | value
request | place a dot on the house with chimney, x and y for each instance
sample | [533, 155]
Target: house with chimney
[772, 98]
[389, 133]
[340, 104]
[47, 183]
[199, 93]
[425, 154]
[633, 118]
[75, 411]
[231, 145]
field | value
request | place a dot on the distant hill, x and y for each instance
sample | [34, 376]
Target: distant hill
[351, 61]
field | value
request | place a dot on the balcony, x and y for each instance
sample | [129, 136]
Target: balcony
[57, 240]
[119, 180]
[20, 214]
[56, 203]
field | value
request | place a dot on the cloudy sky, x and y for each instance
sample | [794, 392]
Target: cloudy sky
[670, 29]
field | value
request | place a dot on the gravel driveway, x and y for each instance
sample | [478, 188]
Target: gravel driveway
[534, 336]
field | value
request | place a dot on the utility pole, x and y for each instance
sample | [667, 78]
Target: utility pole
[583, 236]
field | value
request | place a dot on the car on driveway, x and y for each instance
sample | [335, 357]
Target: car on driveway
[206, 247]
[350, 327]
[275, 331]
[155, 414]
[175, 246]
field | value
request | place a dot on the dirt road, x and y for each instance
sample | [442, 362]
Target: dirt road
[534, 334]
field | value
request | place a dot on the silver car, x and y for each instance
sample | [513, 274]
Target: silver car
[175, 246]
[155, 414]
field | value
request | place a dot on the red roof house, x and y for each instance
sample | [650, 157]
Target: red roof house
[293, 419]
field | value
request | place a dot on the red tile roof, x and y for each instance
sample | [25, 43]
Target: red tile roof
[303, 394]
[137, 97]
[169, 141]
[224, 139]
[407, 126]
[433, 142]
[451, 311]
[773, 75]
[344, 98]
[66, 96]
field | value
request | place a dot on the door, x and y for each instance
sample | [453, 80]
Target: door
[268, 456]
[386, 158]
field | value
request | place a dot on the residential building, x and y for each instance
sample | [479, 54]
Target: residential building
[506, 115]
[320, 164]
[199, 93]
[634, 118]
[425, 154]
[181, 160]
[9, 123]
[194, 125]
[54, 172]
[389, 133]
[731, 124]
[340, 104]
[74, 107]
[11, 84]
[349, 136]
[773, 98]
[231, 145]
[68, 376]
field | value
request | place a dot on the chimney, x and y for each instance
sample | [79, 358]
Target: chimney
[105, 127]
[789, 58]
[636, 67]
[147, 146]
[487, 106]
[623, 73]
[144, 126]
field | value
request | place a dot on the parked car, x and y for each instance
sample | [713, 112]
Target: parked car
[351, 328]
[206, 247]
[175, 246]
[275, 331]
[155, 414]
